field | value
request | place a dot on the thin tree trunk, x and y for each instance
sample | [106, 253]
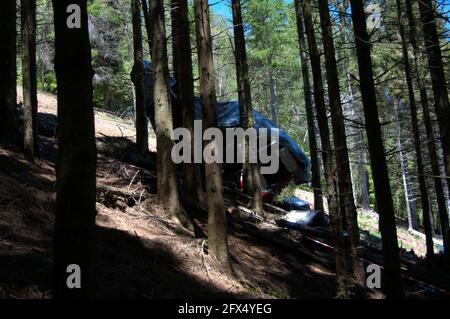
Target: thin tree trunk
[8, 71]
[29, 82]
[273, 94]
[252, 182]
[314, 151]
[138, 68]
[76, 161]
[439, 84]
[183, 65]
[406, 178]
[385, 207]
[346, 199]
[148, 29]
[327, 157]
[434, 159]
[217, 226]
[426, 208]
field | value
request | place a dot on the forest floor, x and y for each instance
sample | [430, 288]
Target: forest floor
[138, 252]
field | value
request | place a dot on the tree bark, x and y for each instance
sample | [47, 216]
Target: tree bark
[146, 14]
[252, 181]
[346, 199]
[166, 170]
[392, 275]
[76, 161]
[273, 93]
[327, 156]
[29, 80]
[140, 112]
[217, 227]
[439, 84]
[185, 83]
[426, 207]
[314, 151]
[8, 71]
[406, 177]
[434, 159]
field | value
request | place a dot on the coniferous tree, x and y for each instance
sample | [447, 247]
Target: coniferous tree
[29, 85]
[434, 159]
[327, 156]
[166, 171]
[426, 207]
[346, 199]
[438, 81]
[138, 79]
[8, 70]
[383, 194]
[182, 62]
[251, 175]
[217, 227]
[309, 107]
[76, 160]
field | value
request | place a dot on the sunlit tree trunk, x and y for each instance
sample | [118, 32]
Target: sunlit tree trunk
[29, 80]
[252, 182]
[217, 226]
[185, 82]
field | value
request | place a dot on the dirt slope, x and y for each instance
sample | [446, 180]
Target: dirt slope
[138, 253]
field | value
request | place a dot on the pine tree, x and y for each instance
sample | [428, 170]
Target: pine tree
[217, 226]
[312, 135]
[252, 182]
[166, 171]
[346, 199]
[182, 63]
[439, 84]
[138, 79]
[76, 160]
[29, 85]
[383, 195]
[426, 207]
[327, 156]
[8, 70]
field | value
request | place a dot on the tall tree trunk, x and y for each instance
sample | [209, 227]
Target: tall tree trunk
[8, 71]
[346, 199]
[166, 170]
[29, 80]
[252, 181]
[327, 156]
[439, 84]
[406, 178]
[185, 82]
[217, 226]
[76, 160]
[314, 151]
[426, 207]
[360, 179]
[138, 69]
[380, 173]
[273, 93]
[434, 159]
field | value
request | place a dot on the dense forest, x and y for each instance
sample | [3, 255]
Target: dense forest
[93, 95]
